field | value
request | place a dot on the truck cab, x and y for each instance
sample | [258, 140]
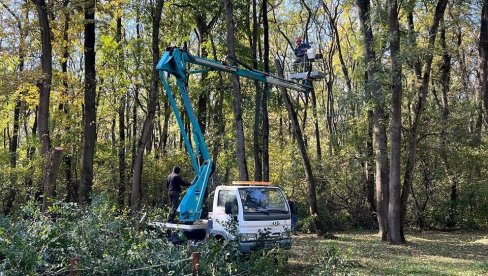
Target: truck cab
[260, 212]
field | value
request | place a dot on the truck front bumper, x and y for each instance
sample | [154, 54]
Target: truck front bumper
[248, 246]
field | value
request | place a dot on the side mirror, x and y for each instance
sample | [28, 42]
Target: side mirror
[228, 208]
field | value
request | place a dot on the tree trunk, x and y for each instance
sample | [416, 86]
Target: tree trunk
[316, 124]
[311, 193]
[48, 173]
[45, 82]
[121, 114]
[258, 163]
[52, 172]
[266, 89]
[236, 93]
[483, 52]
[136, 191]
[369, 168]
[374, 93]
[14, 141]
[396, 125]
[445, 71]
[136, 98]
[167, 113]
[89, 112]
[422, 97]
[71, 187]
[220, 118]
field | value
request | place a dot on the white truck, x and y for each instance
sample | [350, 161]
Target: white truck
[260, 212]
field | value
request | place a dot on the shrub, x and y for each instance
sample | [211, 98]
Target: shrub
[107, 242]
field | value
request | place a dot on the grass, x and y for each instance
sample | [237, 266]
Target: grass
[426, 253]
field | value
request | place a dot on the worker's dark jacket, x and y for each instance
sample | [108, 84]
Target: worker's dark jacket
[301, 50]
[175, 182]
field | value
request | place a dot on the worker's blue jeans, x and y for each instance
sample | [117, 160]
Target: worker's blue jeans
[293, 222]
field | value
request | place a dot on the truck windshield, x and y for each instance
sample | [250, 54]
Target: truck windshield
[263, 200]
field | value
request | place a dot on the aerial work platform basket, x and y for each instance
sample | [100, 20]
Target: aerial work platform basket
[303, 68]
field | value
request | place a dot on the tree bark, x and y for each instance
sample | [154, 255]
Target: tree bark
[220, 118]
[316, 124]
[52, 172]
[369, 168]
[374, 93]
[136, 98]
[71, 187]
[48, 175]
[258, 163]
[396, 125]
[14, 141]
[121, 114]
[483, 52]
[136, 191]
[167, 113]
[45, 82]
[89, 112]
[311, 193]
[422, 97]
[203, 32]
[236, 93]
[445, 71]
[265, 130]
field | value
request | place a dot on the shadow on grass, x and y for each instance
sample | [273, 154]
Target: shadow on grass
[426, 253]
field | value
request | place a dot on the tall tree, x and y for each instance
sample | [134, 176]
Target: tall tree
[136, 191]
[445, 78]
[121, 113]
[50, 159]
[264, 109]
[14, 141]
[396, 125]
[374, 93]
[483, 52]
[297, 132]
[422, 92]
[258, 163]
[71, 185]
[236, 93]
[89, 106]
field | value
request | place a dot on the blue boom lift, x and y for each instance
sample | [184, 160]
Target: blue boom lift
[174, 61]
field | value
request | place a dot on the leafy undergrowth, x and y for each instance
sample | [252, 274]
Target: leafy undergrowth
[104, 242]
[427, 253]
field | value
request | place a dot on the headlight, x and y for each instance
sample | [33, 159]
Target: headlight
[248, 237]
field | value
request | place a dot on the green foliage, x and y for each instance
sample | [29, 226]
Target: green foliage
[104, 241]
[101, 239]
[329, 261]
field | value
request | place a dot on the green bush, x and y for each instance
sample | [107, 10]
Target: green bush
[107, 242]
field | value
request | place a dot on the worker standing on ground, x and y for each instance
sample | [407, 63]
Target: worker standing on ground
[174, 184]
[293, 210]
[301, 51]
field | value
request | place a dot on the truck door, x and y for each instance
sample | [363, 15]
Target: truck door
[220, 218]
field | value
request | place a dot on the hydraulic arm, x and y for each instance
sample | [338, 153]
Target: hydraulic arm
[175, 62]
